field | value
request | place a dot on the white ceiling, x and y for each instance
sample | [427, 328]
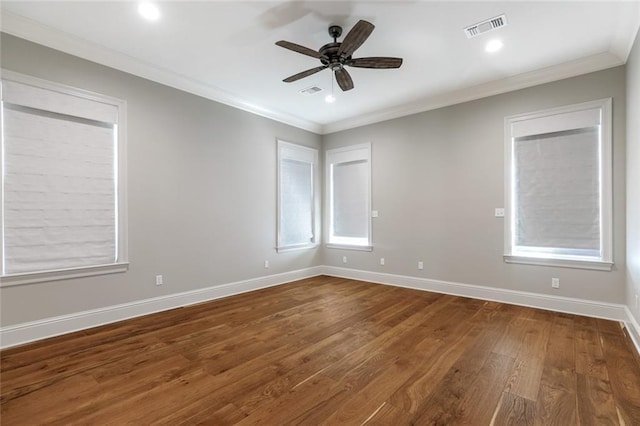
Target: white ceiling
[225, 50]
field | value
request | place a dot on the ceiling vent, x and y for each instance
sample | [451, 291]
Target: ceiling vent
[311, 90]
[486, 26]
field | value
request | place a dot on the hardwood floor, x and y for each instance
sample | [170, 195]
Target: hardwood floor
[330, 351]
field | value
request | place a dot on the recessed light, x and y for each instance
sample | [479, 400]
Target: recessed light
[149, 11]
[329, 99]
[493, 45]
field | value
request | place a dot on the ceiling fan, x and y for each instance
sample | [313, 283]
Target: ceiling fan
[337, 55]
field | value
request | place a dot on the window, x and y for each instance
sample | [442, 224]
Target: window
[558, 187]
[63, 202]
[297, 203]
[349, 197]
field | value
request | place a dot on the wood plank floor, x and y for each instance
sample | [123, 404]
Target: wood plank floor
[330, 351]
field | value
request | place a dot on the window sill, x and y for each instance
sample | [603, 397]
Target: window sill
[294, 248]
[561, 263]
[349, 247]
[62, 274]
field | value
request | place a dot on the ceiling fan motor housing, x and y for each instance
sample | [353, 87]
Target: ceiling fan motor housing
[330, 56]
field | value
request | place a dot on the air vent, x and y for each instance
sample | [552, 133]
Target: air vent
[311, 90]
[486, 26]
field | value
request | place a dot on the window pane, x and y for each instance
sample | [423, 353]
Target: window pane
[350, 188]
[556, 191]
[59, 192]
[296, 198]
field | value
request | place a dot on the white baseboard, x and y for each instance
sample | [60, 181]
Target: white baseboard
[588, 308]
[37, 330]
[633, 328]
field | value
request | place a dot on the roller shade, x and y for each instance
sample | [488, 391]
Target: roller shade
[350, 199]
[349, 196]
[557, 123]
[296, 202]
[42, 99]
[59, 188]
[557, 197]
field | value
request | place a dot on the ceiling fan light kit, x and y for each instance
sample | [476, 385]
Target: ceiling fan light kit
[337, 55]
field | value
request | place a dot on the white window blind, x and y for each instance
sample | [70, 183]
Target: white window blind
[350, 207]
[556, 192]
[61, 190]
[297, 168]
[559, 187]
[349, 196]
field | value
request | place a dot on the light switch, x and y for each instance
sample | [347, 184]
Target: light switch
[374, 213]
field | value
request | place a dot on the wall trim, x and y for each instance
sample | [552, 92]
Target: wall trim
[593, 63]
[590, 308]
[633, 328]
[32, 331]
[49, 327]
[36, 32]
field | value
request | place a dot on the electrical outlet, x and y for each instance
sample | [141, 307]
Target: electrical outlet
[421, 265]
[555, 282]
[266, 264]
[382, 261]
[499, 212]
[159, 280]
[344, 259]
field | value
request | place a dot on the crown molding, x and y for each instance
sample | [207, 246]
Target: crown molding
[625, 34]
[36, 32]
[569, 69]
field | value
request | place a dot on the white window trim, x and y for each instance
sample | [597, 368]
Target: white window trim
[345, 151]
[304, 152]
[122, 261]
[605, 263]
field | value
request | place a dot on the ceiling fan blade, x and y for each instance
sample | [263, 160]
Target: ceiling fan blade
[304, 74]
[358, 34]
[299, 49]
[344, 79]
[375, 62]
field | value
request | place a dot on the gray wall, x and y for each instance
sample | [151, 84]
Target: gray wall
[438, 175]
[202, 182]
[633, 177]
[201, 190]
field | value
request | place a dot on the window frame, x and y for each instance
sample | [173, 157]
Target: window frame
[604, 262]
[121, 262]
[301, 153]
[346, 154]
